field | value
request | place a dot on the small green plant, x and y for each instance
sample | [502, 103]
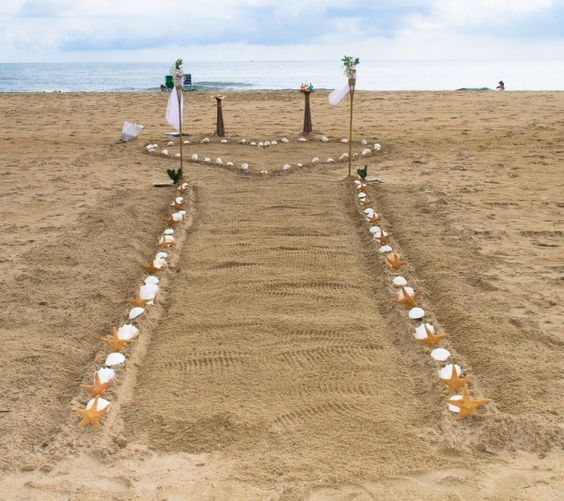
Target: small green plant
[362, 173]
[350, 63]
[174, 174]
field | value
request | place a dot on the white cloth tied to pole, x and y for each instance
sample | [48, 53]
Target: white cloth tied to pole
[338, 94]
[172, 113]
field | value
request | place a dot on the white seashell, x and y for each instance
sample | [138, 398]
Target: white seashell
[244, 166]
[161, 255]
[368, 211]
[166, 239]
[264, 171]
[330, 160]
[207, 160]
[286, 166]
[356, 182]
[186, 142]
[285, 140]
[205, 140]
[135, 312]
[366, 152]
[242, 141]
[179, 200]
[299, 165]
[164, 152]
[127, 331]
[324, 139]
[273, 142]
[156, 145]
[148, 292]
[105, 374]
[224, 141]
[253, 143]
[267, 143]
[375, 230]
[452, 407]
[115, 358]
[302, 139]
[184, 186]
[315, 160]
[168, 231]
[385, 248]
[170, 143]
[363, 142]
[421, 332]
[446, 371]
[152, 279]
[177, 155]
[440, 354]
[229, 164]
[149, 147]
[194, 157]
[361, 195]
[344, 140]
[261, 144]
[343, 157]
[218, 161]
[100, 406]
[176, 217]
[416, 313]
[377, 147]
[399, 281]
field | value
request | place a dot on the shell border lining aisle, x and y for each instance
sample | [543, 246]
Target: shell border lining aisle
[145, 296]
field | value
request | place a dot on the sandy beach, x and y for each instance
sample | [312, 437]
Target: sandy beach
[276, 364]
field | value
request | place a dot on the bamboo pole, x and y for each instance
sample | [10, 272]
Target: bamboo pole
[179, 91]
[352, 84]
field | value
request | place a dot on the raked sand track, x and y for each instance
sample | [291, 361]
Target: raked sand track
[276, 365]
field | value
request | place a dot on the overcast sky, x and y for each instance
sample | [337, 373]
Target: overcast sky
[140, 30]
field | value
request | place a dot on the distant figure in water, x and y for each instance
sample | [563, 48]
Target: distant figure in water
[501, 86]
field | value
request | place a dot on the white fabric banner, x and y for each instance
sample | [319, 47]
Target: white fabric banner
[338, 94]
[172, 116]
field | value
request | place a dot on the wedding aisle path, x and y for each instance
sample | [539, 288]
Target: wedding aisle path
[279, 355]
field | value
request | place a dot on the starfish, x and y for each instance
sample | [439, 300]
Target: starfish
[114, 342]
[91, 415]
[467, 405]
[384, 238]
[364, 201]
[405, 299]
[455, 381]
[374, 218]
[432, 339]
[171, 222]
[137, 301]
[394, 261]
[97, 389]
[163, 244]
[175, 205]
[150, 269]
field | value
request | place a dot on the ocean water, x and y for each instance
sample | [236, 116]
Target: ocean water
[253, 75]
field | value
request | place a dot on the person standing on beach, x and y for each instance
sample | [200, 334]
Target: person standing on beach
[500, 86]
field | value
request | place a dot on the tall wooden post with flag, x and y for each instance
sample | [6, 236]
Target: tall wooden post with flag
[175, 105]
[349, 64]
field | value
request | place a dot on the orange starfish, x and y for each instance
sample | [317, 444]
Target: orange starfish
[383, 238]
[165, 244]
[170, 221]
[150, 269]
[92, 415]
[114, 342]
[97, 389]
[432, 339]
[455, 381]
[364, 201]
[467, 405]
[374, 218]
[175, 205]
[394, 261]
[137, 301]
[182, 190]
[405, 299]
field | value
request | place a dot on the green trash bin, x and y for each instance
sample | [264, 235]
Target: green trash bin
[169, 82]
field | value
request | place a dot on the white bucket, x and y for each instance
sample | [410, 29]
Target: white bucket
[130, 131]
